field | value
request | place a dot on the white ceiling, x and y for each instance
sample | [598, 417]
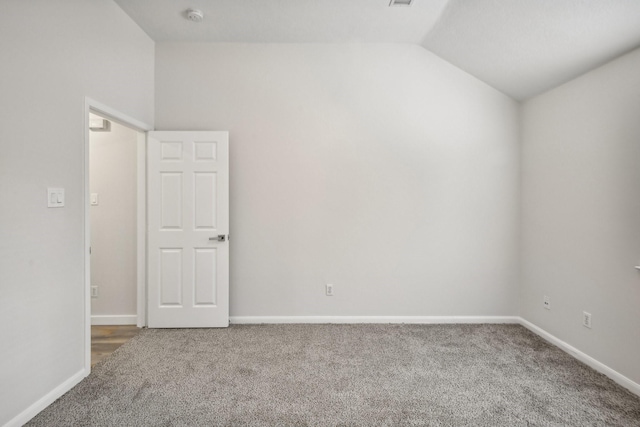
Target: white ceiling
[520, 47]
[525, 47]
[286, 21]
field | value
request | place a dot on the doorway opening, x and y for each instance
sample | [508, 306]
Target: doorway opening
[115, 224]
[113, 219]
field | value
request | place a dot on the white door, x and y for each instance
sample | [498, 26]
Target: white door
[188, 229]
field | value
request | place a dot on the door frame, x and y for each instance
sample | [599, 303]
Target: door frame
[93, 106]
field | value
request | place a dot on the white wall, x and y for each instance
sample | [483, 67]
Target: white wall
[53, 54]
[379, 168]
[581, 212]
[113, 221]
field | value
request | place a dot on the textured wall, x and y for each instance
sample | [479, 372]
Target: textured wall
[581, 211]
[53, 54]
[378, 168]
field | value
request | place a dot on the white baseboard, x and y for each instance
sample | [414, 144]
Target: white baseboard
[123, 319]
[33, 410]
[243, 320]
[625, 382]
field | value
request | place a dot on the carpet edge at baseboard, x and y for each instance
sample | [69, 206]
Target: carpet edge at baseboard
[46, 400]
[243, 320]
[616, 376]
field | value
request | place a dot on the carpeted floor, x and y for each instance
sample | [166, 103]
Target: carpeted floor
[343, 375]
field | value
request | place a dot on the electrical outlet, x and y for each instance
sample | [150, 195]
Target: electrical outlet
[586, 319]
[547, 303]
[329, 290]
[94, 292]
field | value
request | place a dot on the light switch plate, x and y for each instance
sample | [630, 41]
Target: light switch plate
[55, 197]
[94, 199]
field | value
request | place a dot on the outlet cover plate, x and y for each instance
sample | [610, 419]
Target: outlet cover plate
[329, 289]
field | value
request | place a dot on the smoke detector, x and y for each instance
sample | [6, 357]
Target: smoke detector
[195, 15]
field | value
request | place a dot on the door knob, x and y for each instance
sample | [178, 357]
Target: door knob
[218, 238]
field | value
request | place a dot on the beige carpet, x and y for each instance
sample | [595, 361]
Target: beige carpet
[343, 375]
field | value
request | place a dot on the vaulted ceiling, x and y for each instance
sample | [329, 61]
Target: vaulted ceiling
[520, 47]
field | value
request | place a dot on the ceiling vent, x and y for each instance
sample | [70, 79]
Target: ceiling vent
[400, 3]
[195, 15]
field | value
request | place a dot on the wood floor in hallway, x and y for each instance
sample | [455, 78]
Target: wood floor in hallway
[106, 339]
